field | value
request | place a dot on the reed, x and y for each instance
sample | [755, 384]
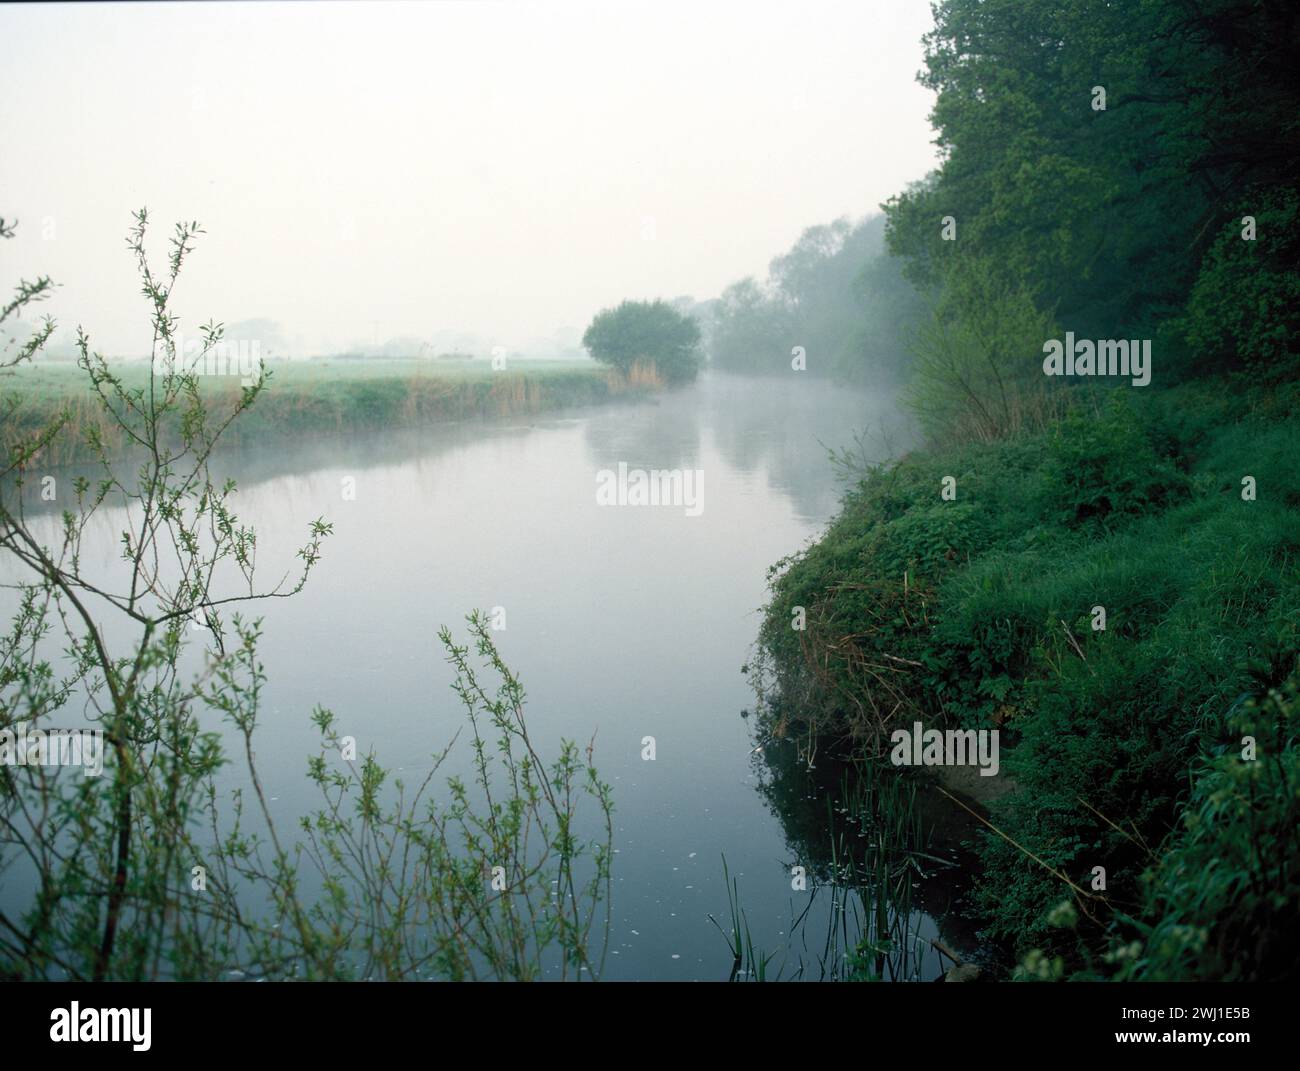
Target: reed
[740, 941]
[299, 404]
[860, 921]
[641, 377]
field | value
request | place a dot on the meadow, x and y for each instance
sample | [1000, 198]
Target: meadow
[318, 397]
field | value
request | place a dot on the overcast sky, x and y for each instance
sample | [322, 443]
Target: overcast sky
[371, 170]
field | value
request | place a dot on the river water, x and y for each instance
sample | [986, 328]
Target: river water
[623, 622]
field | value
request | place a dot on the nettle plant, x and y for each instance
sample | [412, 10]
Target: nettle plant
[169, 864]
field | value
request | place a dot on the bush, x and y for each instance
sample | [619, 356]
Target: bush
[1100, 467]
[640, 331]
[978, 374]
[977, 613]
[1244, 308]
[506, 877]
[1222, 901]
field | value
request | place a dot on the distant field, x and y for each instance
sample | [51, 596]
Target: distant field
[55, 377]
[333, 368]
[317, 397]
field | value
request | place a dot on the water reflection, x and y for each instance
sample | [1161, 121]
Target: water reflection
[622, 624]
[887, 853]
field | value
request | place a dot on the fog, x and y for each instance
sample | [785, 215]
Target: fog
[475, 174]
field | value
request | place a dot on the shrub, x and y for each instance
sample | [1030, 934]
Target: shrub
[1222, 901]
[977, 375]
[504, 877]
[1244, 307]
[1101, 727]
[640, 331]
[1100, 467]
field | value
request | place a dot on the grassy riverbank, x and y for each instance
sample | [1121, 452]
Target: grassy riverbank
[314, 398]
[1124, 742]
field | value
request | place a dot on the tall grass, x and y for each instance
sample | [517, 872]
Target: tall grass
[858, 920]
[642, 375]
[299, 403]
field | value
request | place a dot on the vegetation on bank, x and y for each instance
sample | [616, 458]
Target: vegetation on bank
[979, 613]
[1108, 171]
[637, 337]
[315, 398]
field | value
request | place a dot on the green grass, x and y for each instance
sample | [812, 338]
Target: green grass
[977, 612]
[313, 398]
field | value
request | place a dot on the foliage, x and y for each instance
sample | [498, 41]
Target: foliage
[977, 613]
[645, 331]
[835, 294]
[1100, 464]
[1112, 218]
[978, 374]
[1245, 304]
[1218, 900]
[150, 870]
[1220, 903]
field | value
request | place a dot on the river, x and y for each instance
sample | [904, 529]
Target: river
[623, 622]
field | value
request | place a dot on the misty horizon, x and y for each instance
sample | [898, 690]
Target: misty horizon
[482, 206]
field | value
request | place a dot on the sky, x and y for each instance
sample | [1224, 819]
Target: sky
[365, 171]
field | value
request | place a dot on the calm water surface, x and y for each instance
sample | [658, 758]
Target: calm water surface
[622, 622]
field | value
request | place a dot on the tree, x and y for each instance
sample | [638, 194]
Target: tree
[1094, 153]
[978, 374]
[645, 332]
[836, 294]
[751, 330]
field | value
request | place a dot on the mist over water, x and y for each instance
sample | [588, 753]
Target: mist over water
[622, 621]
[655, 491]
